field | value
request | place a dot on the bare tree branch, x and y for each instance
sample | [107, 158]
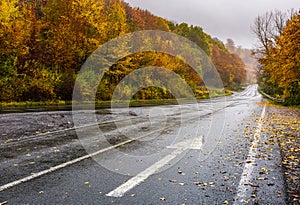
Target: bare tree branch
[268, 27]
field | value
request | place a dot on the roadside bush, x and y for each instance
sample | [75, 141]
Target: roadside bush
[38, 90]
[294, 94]
[65, 85]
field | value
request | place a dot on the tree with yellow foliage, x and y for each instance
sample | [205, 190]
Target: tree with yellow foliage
[283, 61]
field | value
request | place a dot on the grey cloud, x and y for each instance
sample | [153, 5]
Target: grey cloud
[220, 18]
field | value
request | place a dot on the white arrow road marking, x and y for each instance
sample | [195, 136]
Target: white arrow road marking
[248, 169]
[180, 147]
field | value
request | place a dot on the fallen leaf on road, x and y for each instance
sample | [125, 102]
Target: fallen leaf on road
[200, 183]
[253, 185]
[86, 183]
[225, 202]
[173, 180]
[264, 171]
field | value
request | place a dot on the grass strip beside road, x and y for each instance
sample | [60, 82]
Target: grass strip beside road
[28, 106]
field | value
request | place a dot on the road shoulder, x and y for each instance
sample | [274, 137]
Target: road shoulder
[284, 128]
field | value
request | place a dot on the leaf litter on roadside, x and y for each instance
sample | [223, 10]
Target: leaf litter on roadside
[284, 125]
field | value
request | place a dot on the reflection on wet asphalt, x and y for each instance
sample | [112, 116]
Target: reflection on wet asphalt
[31, 142]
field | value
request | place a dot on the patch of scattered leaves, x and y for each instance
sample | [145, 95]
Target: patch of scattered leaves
[285, 125]
[212, 184]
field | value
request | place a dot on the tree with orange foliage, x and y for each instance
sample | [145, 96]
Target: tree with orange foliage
[283, 61]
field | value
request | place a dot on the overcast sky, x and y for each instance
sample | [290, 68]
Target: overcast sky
[219, 18]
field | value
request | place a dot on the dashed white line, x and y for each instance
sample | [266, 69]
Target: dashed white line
[180, 147]
[249, 165]
[131, 183]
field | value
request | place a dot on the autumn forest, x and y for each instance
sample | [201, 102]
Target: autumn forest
[44, 43]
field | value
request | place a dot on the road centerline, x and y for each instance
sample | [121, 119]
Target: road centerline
[248, 168]
[180, 147]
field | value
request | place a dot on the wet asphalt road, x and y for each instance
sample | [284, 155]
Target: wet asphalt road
[209, 153]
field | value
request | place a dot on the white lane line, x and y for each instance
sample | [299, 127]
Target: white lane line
[248, 169]
[52, 169]
[131, 183]
[180, 147]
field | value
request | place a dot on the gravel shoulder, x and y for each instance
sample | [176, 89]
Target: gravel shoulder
[17, 126]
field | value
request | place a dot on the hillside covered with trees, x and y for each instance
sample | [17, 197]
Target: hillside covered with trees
[44, 43]
[248, 59]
